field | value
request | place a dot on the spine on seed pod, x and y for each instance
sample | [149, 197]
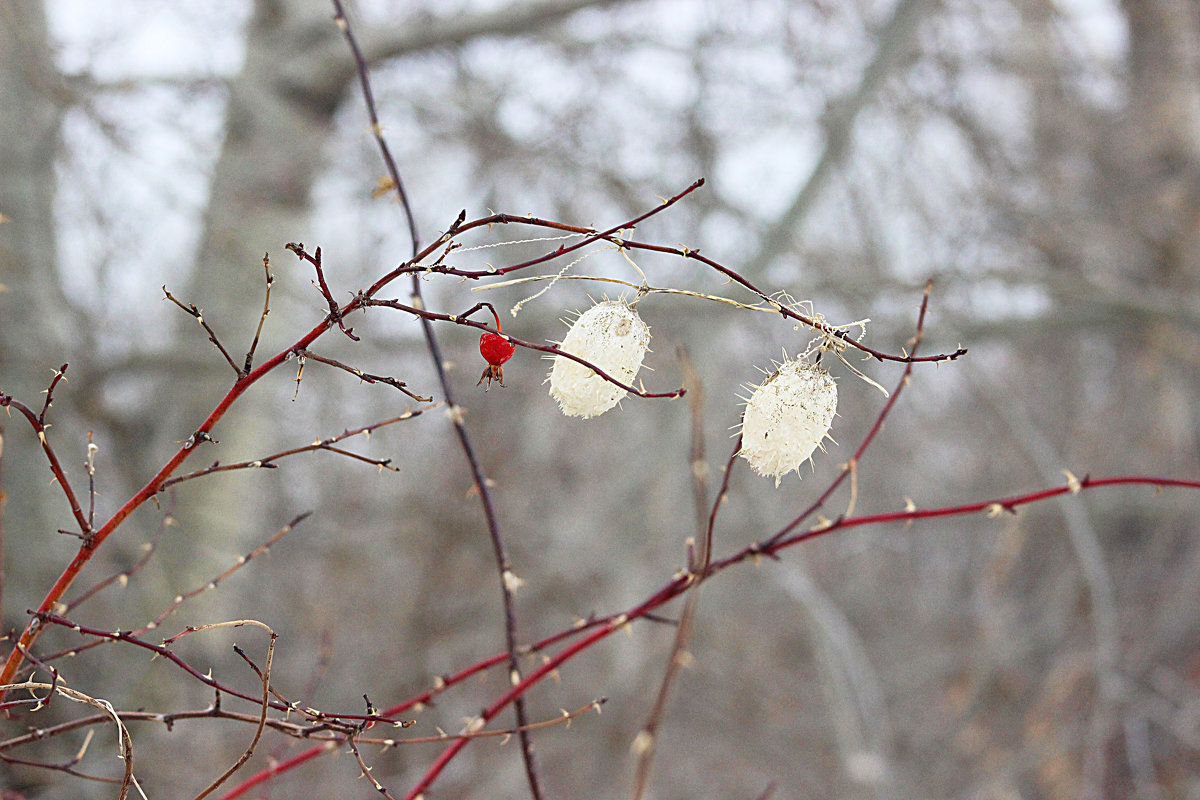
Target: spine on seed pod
[610, 335]
[787, 418]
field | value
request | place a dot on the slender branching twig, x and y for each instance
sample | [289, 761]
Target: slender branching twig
[265, 675]
[262, 318]
[646, 743]
[335, 313]
[363, 376]
[191, 308]
[179, 599]
[503, 565]
[38, 423]
[269, 462]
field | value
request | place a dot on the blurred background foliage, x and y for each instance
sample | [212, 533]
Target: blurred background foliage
[1040, 159]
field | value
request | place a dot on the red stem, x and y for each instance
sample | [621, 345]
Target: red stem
[680, 584]
[33, 628]
[601, 627]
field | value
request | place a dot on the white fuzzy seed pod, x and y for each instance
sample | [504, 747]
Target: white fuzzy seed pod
[610, 335]
[787, 417]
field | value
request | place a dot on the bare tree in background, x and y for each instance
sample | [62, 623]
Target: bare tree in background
[1039, 162]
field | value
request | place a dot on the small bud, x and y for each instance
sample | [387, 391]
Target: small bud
[642, 743]
[610, 335]
[787, 417]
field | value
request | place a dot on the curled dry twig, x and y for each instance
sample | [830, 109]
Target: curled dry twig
[125, 740]
[265, 675]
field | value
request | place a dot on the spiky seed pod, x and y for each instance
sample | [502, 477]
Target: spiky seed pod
[610, 335]
[787, 417]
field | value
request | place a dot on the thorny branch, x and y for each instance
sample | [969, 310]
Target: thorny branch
[574, 640]
[270, 281]
[179, 599]
[363, 376]
[38, 423]
[599, 628]
[337, 729]
[503, 566]
[590, 631]
[335, 313]
[109, 712]
[191, 309]
[269, 462]
[545, 348]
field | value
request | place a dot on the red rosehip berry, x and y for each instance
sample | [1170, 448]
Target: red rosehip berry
[495, 350]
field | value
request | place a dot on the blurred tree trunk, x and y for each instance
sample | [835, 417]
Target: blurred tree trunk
[1118, 215]
[31, 94]
[1161, 135]
[278, 121]
[36, 316]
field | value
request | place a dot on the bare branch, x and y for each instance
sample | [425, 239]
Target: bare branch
[190, 308]
[270, 281]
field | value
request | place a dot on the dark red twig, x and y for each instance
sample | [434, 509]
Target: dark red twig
[366, 377]
[270, 281]
[545, 348]
[60, 374]
[319, 720]
[161, 650]
[335, 313]
[414, 267]
[503, 565]
[191, 309]
[38, 423]
[602, 627]
[180, 599]
[268, 462]
[609, 235]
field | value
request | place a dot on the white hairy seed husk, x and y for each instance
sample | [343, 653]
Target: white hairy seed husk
[610, 335]
[787, 417]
